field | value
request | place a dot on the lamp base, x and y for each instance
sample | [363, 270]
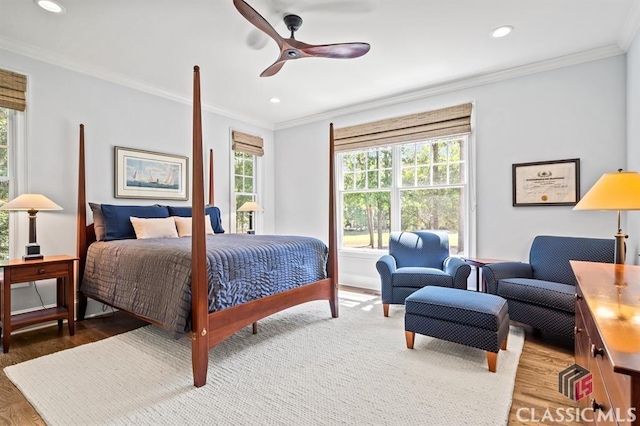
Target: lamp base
[32, 252]
[620, 248]
[251, 231]
[32, 257]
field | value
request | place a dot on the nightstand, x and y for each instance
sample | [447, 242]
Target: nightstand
[21, 271]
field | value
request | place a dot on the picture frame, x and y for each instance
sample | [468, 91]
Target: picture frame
[148, 174]
[546, 183]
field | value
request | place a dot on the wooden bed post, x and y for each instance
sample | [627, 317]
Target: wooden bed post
[332, 260]
[81, 227]
[211, 177]
[199, 293]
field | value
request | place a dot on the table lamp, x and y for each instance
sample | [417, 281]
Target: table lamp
[614, 191]
[32, 204]
[250, 206]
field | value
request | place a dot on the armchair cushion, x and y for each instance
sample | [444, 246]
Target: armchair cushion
[413, 276]
[494, 272]
[544, 293]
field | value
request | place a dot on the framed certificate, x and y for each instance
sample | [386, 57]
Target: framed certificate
[546, 183]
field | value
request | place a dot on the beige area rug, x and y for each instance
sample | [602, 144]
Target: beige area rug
[303, 368]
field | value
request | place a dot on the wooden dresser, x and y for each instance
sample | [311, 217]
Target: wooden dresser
[607, 339]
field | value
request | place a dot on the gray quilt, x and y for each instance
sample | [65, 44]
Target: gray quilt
[152, 277]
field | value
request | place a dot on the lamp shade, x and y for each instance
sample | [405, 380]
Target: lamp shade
[613, 191]
[250, 206]
[28, 202]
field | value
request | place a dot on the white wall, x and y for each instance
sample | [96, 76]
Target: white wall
[633, 143]
[60, 99]
[572, 112]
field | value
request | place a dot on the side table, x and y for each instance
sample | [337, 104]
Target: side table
[19, 271]
[478, 263]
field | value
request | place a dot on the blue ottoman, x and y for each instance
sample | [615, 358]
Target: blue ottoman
[473, 319]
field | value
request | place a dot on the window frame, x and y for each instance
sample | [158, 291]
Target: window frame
[18, 178]
[257, 181]
[397, 187]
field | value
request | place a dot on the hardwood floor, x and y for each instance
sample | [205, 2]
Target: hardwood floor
[535, 385]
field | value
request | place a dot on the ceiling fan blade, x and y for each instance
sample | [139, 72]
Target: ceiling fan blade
[257, 20]
[274, 68]
[337, 51]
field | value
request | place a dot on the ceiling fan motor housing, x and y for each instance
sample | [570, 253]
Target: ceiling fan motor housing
[293, 23]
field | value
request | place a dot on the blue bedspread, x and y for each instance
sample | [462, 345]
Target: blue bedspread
[152, 277]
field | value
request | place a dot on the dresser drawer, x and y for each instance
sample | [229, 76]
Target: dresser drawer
[617, 386]
[599, 400]
[39, 271]
[582, 343]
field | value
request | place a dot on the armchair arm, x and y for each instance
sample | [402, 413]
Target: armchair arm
[496, 271]
[459, 270]
[386, 266]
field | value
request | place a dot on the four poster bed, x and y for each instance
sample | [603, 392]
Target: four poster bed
[209, 290]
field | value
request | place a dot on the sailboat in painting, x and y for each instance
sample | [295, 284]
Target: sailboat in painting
[150, 179]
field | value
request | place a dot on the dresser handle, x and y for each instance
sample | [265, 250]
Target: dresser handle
[41, 271]
[596, 351]
[577, 330]
[595, 406]
[578, 297]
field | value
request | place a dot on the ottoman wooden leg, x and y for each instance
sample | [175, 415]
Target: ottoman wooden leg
[385, 309]
[492, 360]
[504, 344]
[410, 336]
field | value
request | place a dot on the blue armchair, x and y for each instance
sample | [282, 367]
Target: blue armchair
[415, 260]
[541, 293]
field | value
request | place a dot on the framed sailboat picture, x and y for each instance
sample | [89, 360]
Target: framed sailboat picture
[146, 174]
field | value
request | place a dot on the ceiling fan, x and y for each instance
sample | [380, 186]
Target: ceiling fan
[290, 48]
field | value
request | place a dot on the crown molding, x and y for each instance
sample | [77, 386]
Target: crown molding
[630, 27]
[464, 83]
[43, 55]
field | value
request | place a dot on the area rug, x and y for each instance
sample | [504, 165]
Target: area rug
[302, 368]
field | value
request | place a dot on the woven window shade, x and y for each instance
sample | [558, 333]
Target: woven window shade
[12, 90]
[249, 144]
[455, 120]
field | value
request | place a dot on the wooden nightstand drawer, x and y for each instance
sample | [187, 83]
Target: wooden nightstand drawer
[37, 272]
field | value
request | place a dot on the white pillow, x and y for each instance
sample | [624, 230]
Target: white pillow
[184, 225]
[154, 228]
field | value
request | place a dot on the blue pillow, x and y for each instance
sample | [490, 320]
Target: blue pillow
[116, 219]
[213, 212]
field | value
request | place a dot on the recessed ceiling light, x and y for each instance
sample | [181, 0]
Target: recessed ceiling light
[50, 6]
[274, 100]
[501, 31]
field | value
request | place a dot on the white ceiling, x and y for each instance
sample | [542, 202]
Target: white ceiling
[415, 45]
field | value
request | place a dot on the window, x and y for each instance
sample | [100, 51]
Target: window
[246, 151]
[366, 197]
[244, 187]
[5, 116]
[13, 88]
[409, 186]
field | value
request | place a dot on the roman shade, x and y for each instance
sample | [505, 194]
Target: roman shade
[12, 90]
[249, 144]
[455, 120]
